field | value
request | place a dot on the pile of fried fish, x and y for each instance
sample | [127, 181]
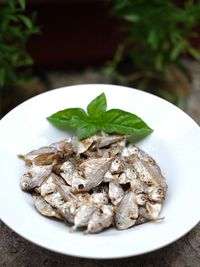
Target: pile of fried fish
[95, 183]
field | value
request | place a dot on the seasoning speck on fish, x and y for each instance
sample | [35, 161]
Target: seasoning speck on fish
[93, 184]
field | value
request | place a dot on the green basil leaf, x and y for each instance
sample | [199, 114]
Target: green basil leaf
[122, 122]
[111, 121]
[86, 129]
[97, 106]
[71, 117]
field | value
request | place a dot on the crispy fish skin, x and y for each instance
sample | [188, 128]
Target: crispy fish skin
[43, 207]
[153, 178]
[34, 177]
[126, 212]
[69, 172]
[93, 172]
[48, 154]
[50, 184]
[100, 219]
[116, 193]
[83, 215]
[46, 159]
[132, 150]
[80, 146]
[91, 166]
[25, 182]
[30, 157]
[104, 141]
[151, 211]
[117, 166]
[99, 198]
[55, 199]
[145, 165]
[63, 146]
[47, 187]
[67, 210]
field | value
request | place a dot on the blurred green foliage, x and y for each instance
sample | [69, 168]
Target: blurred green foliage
[157, 33]
[15, 29]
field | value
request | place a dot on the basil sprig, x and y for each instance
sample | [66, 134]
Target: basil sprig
[97, 118]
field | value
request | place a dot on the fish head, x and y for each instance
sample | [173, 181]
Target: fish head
[79, 184]
[131, 173]
[99, 198]
[156, 193]
[141, 199]
[117, 166]
[26, 182]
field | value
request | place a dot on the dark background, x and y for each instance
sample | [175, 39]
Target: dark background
[74, 33]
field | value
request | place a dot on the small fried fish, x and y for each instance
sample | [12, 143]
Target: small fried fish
[126, 212]
[43, 207]
[101, 218]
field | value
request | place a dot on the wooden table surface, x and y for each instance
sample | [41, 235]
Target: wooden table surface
[15, 251]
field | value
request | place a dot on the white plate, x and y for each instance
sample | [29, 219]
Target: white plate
[175, 144]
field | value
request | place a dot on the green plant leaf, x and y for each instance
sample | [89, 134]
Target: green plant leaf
[160, 38]
[26, 20]
[194, 52]
[153, 39]
[159, 61]
[111, 121]
[123, 122]
[177, 50]
[132, 17]
[86, 129]
[22, 4]
[97, 106]
[17, 34]
[71, 118]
